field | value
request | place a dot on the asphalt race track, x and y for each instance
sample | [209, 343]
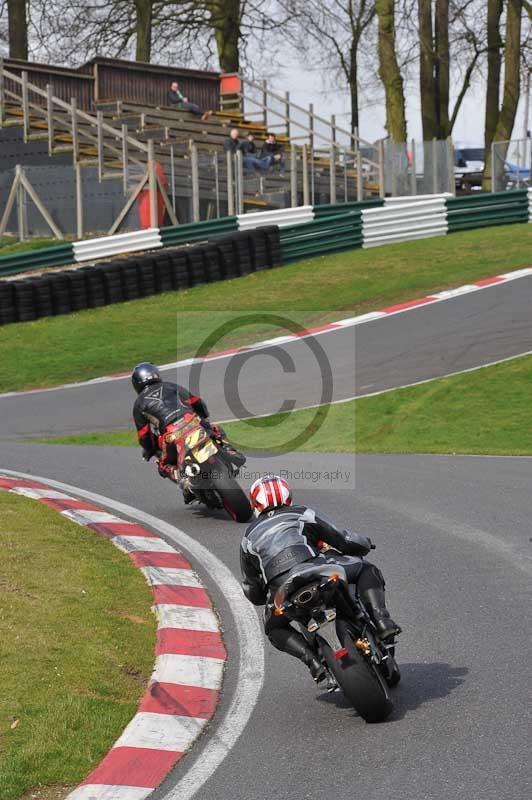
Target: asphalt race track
[453, 539]
[427, 342]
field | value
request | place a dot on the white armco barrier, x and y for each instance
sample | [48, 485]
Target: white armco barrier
[418, 198]
[92, 249]
[401, 222]
[281, 217]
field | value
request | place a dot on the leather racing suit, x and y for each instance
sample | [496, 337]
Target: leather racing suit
[279, 540]
[156, 408]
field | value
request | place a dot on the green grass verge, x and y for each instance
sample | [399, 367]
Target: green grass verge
[485, 412]
[78, 643]
[9, 245]
[172, 326]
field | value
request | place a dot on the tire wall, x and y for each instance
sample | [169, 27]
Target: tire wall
[119, 280]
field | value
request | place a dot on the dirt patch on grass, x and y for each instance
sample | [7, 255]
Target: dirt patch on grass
[48, 793]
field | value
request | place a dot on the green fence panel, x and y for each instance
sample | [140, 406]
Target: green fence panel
[37, 259]
[335, 208]
[466, 225]
[485, 198]
[194, 231]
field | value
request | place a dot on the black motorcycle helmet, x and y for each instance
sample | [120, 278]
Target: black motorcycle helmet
[144, 375]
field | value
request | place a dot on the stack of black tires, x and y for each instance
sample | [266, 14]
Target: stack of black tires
[125, 279]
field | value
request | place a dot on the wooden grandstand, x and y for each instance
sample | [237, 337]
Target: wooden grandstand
[111, 115]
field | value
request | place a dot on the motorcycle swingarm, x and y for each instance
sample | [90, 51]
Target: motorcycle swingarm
[326, 630]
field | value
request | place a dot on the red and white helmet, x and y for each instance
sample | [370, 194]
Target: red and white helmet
[270, 492]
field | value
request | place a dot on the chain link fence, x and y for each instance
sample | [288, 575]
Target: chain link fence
[511, 164]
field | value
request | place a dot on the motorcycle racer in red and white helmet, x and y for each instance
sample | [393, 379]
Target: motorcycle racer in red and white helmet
[283, 536]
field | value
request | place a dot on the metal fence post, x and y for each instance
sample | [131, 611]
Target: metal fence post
[74, 126]
[360, 177]
[195, 182]
[2, 93]
[345, 174]
[304, 159]
[493, 170]
[311, 125]
[381, 169]
[332, 175]
[450, 166]
[50, 117]
[293, 176]
[152, 183]
[25, 105]
[333, 128]
[125, 160]
[20, 204]
[413, 176]
[265, 103]
[79, 201]
[216, 182]
[230, 188]
[99, 128]
[240, 182]
[287, 112]
[435, 166]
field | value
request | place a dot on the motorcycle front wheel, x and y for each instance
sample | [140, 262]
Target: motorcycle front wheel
[358, 678]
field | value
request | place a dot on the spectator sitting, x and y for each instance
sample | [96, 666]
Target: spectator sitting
[178, 100]
[272, 153]
[251, 161]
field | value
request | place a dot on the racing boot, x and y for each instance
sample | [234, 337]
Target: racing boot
[295, 645]
[184, 485]
[235, 456]
[374, 601]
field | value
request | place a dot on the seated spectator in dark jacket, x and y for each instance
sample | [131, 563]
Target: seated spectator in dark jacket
[176, 99]
[272, 153]
[248, 149]
[252, 157]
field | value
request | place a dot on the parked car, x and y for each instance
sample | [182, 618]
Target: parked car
[468, 166]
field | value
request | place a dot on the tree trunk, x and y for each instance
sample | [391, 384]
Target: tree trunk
[493, 84]
[442, 68]
[353, 86]
[389, 71]
[225, 20]
[144, 12]
[512, 74]
[18, 29]
[426, 71]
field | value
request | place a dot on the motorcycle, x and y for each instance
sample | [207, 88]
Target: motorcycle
[321, 604]
[210, 474]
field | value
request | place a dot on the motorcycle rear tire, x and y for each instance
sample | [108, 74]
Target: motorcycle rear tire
[234, 499]
[358, 678]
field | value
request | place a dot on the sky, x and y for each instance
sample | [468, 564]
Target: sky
[305, 88]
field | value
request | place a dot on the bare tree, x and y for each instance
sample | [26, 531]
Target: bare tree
[329, 35]
[502, 119]
[390, 72]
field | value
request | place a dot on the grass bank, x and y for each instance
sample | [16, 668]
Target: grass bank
[174, 325]
[76, 652]
[9, 244]
[485, 412]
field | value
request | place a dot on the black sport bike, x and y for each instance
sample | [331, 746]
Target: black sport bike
[324, 607]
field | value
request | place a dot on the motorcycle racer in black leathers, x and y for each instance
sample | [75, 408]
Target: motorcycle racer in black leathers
[284, 536]
[160, 404]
